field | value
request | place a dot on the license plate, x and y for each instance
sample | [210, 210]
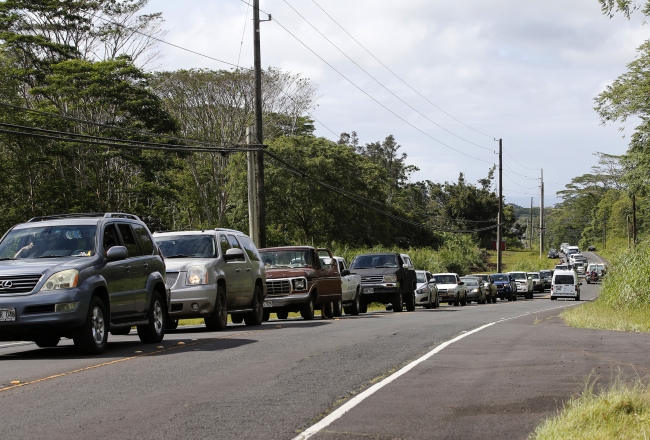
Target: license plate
[267, 304]
[369, 290]
[7, 315]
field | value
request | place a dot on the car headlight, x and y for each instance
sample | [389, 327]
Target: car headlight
[390, 278]
[476, 290]
[197, 275]
[300, 284]
[66, 279]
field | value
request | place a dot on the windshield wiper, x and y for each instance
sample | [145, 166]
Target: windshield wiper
[179, 256]
[4, 259]
[51, 256]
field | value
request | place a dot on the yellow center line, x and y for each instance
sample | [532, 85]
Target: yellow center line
[117, 361]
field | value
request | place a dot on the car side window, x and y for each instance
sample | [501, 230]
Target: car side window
[128, 239]
[110, 238]
[234, 244]
[341, 266]
[250, 249]
[224, 244]
[146, 243]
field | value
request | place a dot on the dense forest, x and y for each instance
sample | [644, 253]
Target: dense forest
[87, 68]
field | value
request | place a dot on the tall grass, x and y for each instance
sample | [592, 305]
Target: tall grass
[623, 412]
[458, 254]
[627, 284]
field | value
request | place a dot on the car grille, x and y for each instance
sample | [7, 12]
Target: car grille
[171, 278]
[278, 287]
[371, 279]
[18, 284]
[34, 310]
[442, 290]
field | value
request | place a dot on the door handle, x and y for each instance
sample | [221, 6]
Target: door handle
[145, 265]
[238, 270]
[248, 269]
[128, 268]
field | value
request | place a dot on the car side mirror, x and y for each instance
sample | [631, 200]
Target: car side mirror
[117, 253]
[233, 254]
[345, 273]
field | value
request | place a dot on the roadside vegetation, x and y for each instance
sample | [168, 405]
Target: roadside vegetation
[622, 411]
[624, 300]
[520, 260]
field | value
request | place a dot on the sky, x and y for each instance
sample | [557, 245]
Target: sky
[524, 72]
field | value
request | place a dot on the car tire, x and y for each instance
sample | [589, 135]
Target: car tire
[307, 309]
[514, 297]
[47, 341]
[355, 308]
[123, 331]
[553, 298]
[463, 302]
[237, 319]
[218, 320]
[468, 301]
[93, 336]
[429, 304]
[410, 302]
[154, 331]
[363, 306]
[282, 315]
[256, 317]
[337, 309]
[578, 297]
[397, 302]
[172, 324]
[436, 303]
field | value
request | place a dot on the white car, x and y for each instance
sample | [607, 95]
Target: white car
[350, 291]
[450, 288]
[524, 283]
[426, 292]
[565, 285]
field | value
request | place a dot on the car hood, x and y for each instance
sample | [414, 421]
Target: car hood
[376, 271]
[447, 286]
[38, 266]
[499, 283]
[289, 272]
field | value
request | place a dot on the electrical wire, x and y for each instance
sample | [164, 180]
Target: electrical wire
[521, 175]
[518, 185]
[381, 84]
[523, 166]
[397, 76]
[241, 45]
[375, 100]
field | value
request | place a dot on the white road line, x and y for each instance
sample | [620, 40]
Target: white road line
[339, 412]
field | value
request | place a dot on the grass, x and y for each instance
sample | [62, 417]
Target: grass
[598, 315]
[523, 260]
[622, 411]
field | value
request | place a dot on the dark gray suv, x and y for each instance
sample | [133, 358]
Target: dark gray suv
[80, 276]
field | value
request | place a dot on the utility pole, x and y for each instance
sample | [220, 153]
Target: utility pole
[633, 220]
[629, 243]
[260, 239]
[605, 232]
[530, 232]
[541, 215]
[500, 218]
[252, 186]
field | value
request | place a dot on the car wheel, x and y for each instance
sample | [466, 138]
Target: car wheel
[463, 302]
[355, 308]
[121, 331]
[172, 324]
[363, 307]
[510, 296]
[397, 302]
[282, 315]
[337, 308]
[154, 331]
[436, 302]
[47, 341]
[578, 297]
[553, 298]
[92, 338]
[514, 296]
[307, 309]
[451, 303]
[237, 319]
[429, 305]
[410, 301]
[257, 315]
[218, 320]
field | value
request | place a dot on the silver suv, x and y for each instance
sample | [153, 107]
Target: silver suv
[80, 276]
[212, 273]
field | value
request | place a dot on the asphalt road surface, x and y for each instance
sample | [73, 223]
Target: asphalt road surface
[278, 380]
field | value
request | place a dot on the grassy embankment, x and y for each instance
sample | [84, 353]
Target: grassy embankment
[520, 260]
[624, 300]
[458, 254]
[620, 412]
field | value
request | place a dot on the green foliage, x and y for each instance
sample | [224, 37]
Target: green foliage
[627, 280]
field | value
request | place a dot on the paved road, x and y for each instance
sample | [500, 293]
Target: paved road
[279, 379]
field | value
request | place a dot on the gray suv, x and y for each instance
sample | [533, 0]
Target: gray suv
[212, 273]
[80, 276]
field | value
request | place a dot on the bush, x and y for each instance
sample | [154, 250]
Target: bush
[627, 283]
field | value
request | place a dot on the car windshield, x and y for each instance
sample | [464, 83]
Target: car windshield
[535, 276]
[470, 282]
[561, 267]
[444, 279]
[185, 246]
[518, 275]
[564, 279]
[422, 278]
[288, 258]
[49, 242]
[373, 261]
[483, 278]
[545, 273]
[500, 277]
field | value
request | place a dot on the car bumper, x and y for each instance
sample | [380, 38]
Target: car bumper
[473, 295]
[564, 295]
[379, 292]
[422, 298]
[186, 299]
[447, 296]
[31, 320]
[522, 288]
[276, 302]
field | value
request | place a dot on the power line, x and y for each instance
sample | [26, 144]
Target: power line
[241, 45]
[374, 99]
[397, 76]
[518, 185]
[381, 84]
[523, 166]
[521, 175]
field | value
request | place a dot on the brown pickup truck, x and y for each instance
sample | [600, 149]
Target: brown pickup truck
[300, 279]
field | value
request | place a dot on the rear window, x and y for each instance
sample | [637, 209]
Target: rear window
[470, 281]
[564, 279]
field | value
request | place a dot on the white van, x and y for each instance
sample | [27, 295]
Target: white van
[565, 285]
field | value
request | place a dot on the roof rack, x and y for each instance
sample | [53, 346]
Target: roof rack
[84, 215]
[227, 230]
